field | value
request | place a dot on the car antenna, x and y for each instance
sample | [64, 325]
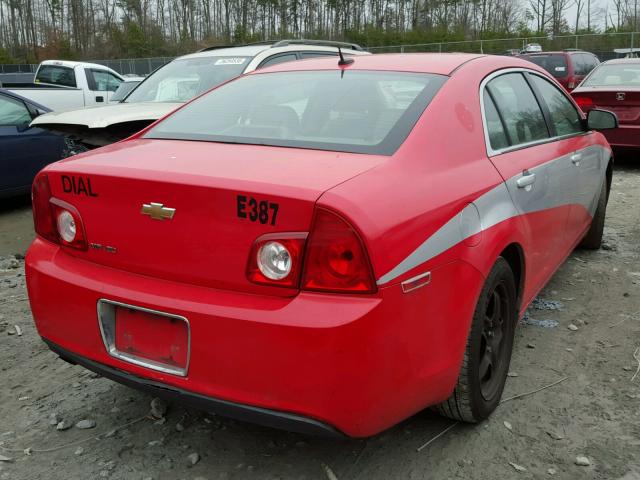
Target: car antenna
[344, 61]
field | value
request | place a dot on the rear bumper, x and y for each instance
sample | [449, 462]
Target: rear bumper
[353, 364]
[627, 136]
[260, 416]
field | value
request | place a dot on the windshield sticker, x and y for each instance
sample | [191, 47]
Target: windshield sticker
[230, 61]
[560, 69]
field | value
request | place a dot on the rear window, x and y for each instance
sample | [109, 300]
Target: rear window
[556, 65]
[621, 74]
[56, 75]
[350, 111]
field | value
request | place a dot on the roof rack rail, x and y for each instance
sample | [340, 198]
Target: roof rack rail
[324, 43]
[216, 47]
[572, 50]
[261, 42]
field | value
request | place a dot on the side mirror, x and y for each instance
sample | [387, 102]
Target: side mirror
[23, 127]
[601, 120]
[37, 112]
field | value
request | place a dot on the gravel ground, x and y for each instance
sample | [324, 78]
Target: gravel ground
[584, 328]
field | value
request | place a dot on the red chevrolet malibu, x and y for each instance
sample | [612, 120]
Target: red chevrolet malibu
[323, 246]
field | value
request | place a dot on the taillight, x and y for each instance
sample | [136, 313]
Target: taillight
[43, 220]
[276, 259]
[55, 220]
[336, 260]
[68, 225]
[585, 103]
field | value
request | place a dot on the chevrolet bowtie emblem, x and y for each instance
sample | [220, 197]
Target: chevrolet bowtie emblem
[157, 211]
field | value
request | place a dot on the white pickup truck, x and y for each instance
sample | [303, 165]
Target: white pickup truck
[63, 85]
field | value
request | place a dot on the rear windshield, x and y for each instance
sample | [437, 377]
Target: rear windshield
[614, 75]
[56, 75]
[183, 79]
[556, 65]
[350, 111]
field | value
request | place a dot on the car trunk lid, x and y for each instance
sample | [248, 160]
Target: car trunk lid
[191, 211]
[623, 101]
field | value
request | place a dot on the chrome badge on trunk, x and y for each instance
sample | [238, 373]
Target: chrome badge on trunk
[157, 211]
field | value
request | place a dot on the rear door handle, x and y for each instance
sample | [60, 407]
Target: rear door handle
[526, 180]
[575, 159]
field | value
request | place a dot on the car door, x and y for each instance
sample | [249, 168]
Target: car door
[586, 162]
[520, 146]
[24, 151]
[102, 84]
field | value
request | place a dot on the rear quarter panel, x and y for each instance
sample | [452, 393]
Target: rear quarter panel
[440, 169]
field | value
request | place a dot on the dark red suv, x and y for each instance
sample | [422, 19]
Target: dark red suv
[569, 67]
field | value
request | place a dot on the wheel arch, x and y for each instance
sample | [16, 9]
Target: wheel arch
[514, 255]
[609, 175]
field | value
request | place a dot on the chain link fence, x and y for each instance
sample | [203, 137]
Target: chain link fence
[131, 66]
[603, 45]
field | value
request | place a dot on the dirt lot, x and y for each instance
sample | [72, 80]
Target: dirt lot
[594, 412]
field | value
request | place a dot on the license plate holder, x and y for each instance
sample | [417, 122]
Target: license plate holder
[149, 338]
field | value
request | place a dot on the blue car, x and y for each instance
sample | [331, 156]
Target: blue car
[24, 150]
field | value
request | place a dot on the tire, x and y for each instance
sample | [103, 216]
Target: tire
[593, 239]
[475, 396]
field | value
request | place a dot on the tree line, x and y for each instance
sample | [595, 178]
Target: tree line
[32, 30]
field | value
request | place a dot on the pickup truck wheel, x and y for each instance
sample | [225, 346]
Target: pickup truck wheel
[488, 351]
[593, 239]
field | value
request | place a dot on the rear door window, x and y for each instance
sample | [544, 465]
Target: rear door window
[56, 75]
[317, 54]
[578, 64]
[518, 108]
[276, 59]
[592, 62]
[13, 112]
[495, 129]
[564, 116]
[581, 64]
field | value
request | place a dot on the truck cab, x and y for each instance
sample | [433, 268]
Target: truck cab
[64, 85]
[96, 81]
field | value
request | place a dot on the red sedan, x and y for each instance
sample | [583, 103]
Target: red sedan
[323, 246]
[615, 86]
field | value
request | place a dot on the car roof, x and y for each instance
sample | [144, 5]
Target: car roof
[253, 50]
[622, 60]
[438, 63]
[246, 51]
[9, 93]
[542, 54]
[71, 64]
